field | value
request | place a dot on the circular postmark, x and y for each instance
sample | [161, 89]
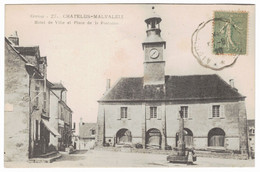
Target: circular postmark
[218, 42]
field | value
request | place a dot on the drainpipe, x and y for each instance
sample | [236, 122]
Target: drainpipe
[31, 109]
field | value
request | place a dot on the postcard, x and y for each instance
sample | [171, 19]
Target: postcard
[129, 85]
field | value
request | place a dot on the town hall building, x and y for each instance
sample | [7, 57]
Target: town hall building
[145, 110]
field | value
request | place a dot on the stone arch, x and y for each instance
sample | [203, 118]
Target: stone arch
[188, 138]
[153, 138]
[123, 136]
[216, 137]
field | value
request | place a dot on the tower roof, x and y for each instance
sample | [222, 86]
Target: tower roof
[153, 16]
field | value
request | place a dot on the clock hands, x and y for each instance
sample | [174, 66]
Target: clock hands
[154, 52]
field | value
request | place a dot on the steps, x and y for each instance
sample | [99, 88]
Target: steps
[46, 158]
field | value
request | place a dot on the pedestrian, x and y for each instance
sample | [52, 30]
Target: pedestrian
[190, 158]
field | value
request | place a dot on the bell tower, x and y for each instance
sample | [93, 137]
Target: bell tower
[154, 64]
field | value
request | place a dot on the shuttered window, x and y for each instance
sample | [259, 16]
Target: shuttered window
[153, 112]
[185, 111]
[215, 111]
[123, 113]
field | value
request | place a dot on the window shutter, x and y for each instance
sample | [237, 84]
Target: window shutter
[119, 113]
[189, 112]
[209, 111]
[178, 114]
[128, 113]
[147, 112]
[159, 112]
[222, 111]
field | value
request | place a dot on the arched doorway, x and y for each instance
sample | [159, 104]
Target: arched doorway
[188, 138]
[153, 138]
[123, 136]
[216, 137]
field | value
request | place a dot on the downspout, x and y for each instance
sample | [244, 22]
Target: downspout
[30, 116]
[30, 109]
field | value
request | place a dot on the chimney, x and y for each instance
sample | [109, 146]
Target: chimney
[14, 38]
[81, 121]
[108, 84]
[231, 82]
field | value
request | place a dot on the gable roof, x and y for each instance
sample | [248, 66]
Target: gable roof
[9, 43]
[85, 130]
[28, 51]
[190, 87]
[58, 86]
[29, 67]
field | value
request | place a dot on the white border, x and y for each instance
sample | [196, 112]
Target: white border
[2, 12]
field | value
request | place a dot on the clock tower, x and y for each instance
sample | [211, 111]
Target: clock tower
[153, 46]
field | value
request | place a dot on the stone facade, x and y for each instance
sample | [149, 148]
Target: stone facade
[87, 135]
[145, 110]
[61, 117]
[251, 137]
[28, 127]
[27, 103]
[200, 122]
[16, 140]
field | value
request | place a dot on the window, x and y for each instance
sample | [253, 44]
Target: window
[36, 129]
[61, 113]
[215, 110]
[123, 112]
[184, 109]
[251, 131]
[37, 91]
[44, 100]
[93, 132]
[153, 112]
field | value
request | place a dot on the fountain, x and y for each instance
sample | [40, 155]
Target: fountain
[181, 154]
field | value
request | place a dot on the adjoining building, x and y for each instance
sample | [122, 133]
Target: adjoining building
[145, 110]
[87, 135]
[251, 137]
[61, 117]
[27, 103]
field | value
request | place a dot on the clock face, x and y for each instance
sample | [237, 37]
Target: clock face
[154, 53]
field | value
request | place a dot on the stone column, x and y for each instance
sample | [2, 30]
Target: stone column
[181, 143]
[242, 125]
[164, 141]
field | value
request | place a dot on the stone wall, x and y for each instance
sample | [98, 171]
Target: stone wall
[16, 137]
[54, 117]
[232, 121]
[200, 122]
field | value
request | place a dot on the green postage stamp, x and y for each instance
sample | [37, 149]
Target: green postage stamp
[230, 33]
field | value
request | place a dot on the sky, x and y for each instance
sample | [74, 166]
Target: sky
[84, 55]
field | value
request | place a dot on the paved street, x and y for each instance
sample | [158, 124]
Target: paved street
[95, 158]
